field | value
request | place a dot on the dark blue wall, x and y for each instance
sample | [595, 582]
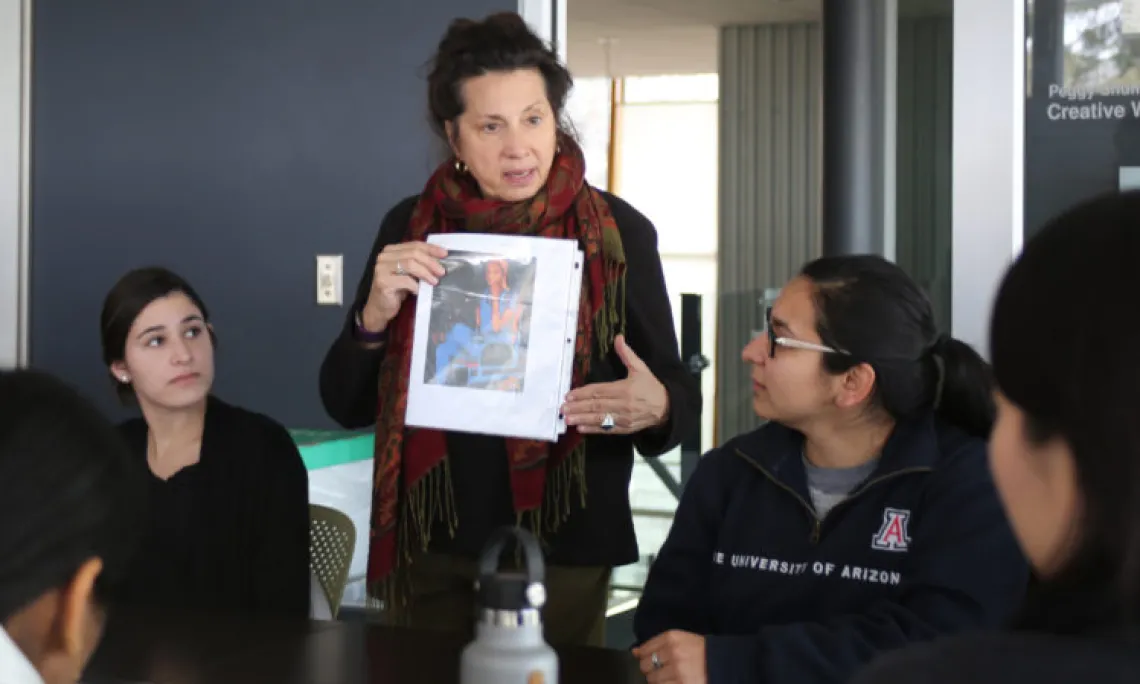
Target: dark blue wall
[1067, 162]
[232, 141]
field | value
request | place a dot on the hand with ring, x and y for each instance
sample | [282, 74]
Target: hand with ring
[637, 402]
[396, 274]
[674, 657]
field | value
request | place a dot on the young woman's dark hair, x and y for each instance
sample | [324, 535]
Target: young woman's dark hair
[126, 300]
[68, 492]
[501, 42]
[1065, 344]
[871, 309]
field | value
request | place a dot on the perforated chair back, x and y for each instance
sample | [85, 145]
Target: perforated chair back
[332, 540]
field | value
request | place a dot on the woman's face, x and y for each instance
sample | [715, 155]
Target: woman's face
[169, 356]
[792, 387]
[495, 273]
[507, 134]
[1038, 488]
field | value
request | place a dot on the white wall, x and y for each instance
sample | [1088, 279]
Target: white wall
[988, 157]
[548, 19]
[660, 50]
[13, 224]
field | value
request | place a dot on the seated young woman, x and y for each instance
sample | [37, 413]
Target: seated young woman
[70, 503]
[860, 518]
[229, 522]
[1065, 453]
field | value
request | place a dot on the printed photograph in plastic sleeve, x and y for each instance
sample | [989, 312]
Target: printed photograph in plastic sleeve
[479, 328]
[490, 341]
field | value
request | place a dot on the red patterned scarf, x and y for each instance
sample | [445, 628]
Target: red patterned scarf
[411, 482]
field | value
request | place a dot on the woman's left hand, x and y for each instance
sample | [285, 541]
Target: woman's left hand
[674, 657]
[636, 403]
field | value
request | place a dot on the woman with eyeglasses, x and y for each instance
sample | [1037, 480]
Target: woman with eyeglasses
[860, 518]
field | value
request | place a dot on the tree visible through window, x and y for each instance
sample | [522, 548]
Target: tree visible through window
[1098, 54]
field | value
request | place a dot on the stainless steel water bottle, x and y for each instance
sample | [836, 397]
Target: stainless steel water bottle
[509, 647]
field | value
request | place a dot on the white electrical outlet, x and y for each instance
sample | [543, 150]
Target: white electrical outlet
[330, 279]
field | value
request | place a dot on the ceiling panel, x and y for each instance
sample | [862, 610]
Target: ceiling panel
[677, 36]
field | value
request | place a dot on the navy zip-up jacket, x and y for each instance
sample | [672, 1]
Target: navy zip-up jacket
[920, 549]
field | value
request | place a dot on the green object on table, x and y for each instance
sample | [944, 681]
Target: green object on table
[328, 448]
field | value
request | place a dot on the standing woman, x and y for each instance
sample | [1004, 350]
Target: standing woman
[496, 94]
[1065, 455]
[229, 525]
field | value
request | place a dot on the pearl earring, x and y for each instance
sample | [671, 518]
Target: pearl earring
[124, 378]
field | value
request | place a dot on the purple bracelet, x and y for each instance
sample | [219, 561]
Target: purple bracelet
[365, 335]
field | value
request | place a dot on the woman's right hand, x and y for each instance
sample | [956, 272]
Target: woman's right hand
[397, 273]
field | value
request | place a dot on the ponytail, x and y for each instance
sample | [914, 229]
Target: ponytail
[963, 391]
[873, 310]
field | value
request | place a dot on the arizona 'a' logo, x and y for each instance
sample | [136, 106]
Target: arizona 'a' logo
[893, 535]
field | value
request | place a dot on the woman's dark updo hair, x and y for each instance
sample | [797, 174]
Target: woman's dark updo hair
[870, 308]
[123, 304]
[501, 42]
[1065, 344]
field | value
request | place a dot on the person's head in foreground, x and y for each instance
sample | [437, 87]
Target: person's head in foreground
[852, 344]
[1065, 452]
[69, 498]
[1065, 456]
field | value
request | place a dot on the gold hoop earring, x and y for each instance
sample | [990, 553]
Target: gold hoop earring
[460, 167]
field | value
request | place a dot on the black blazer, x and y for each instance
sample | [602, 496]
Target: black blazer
[600, 533]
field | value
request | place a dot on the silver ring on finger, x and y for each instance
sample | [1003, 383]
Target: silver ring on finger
[400, 268]
[608, 424]
[655, 661]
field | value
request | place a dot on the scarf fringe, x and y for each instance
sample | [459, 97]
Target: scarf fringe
[610, 320]
[427, 501]
[433, 499]
[560, 485]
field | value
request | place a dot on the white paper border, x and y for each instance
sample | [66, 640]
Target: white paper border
[533, 412]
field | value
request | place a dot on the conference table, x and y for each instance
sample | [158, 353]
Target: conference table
[138, 649]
